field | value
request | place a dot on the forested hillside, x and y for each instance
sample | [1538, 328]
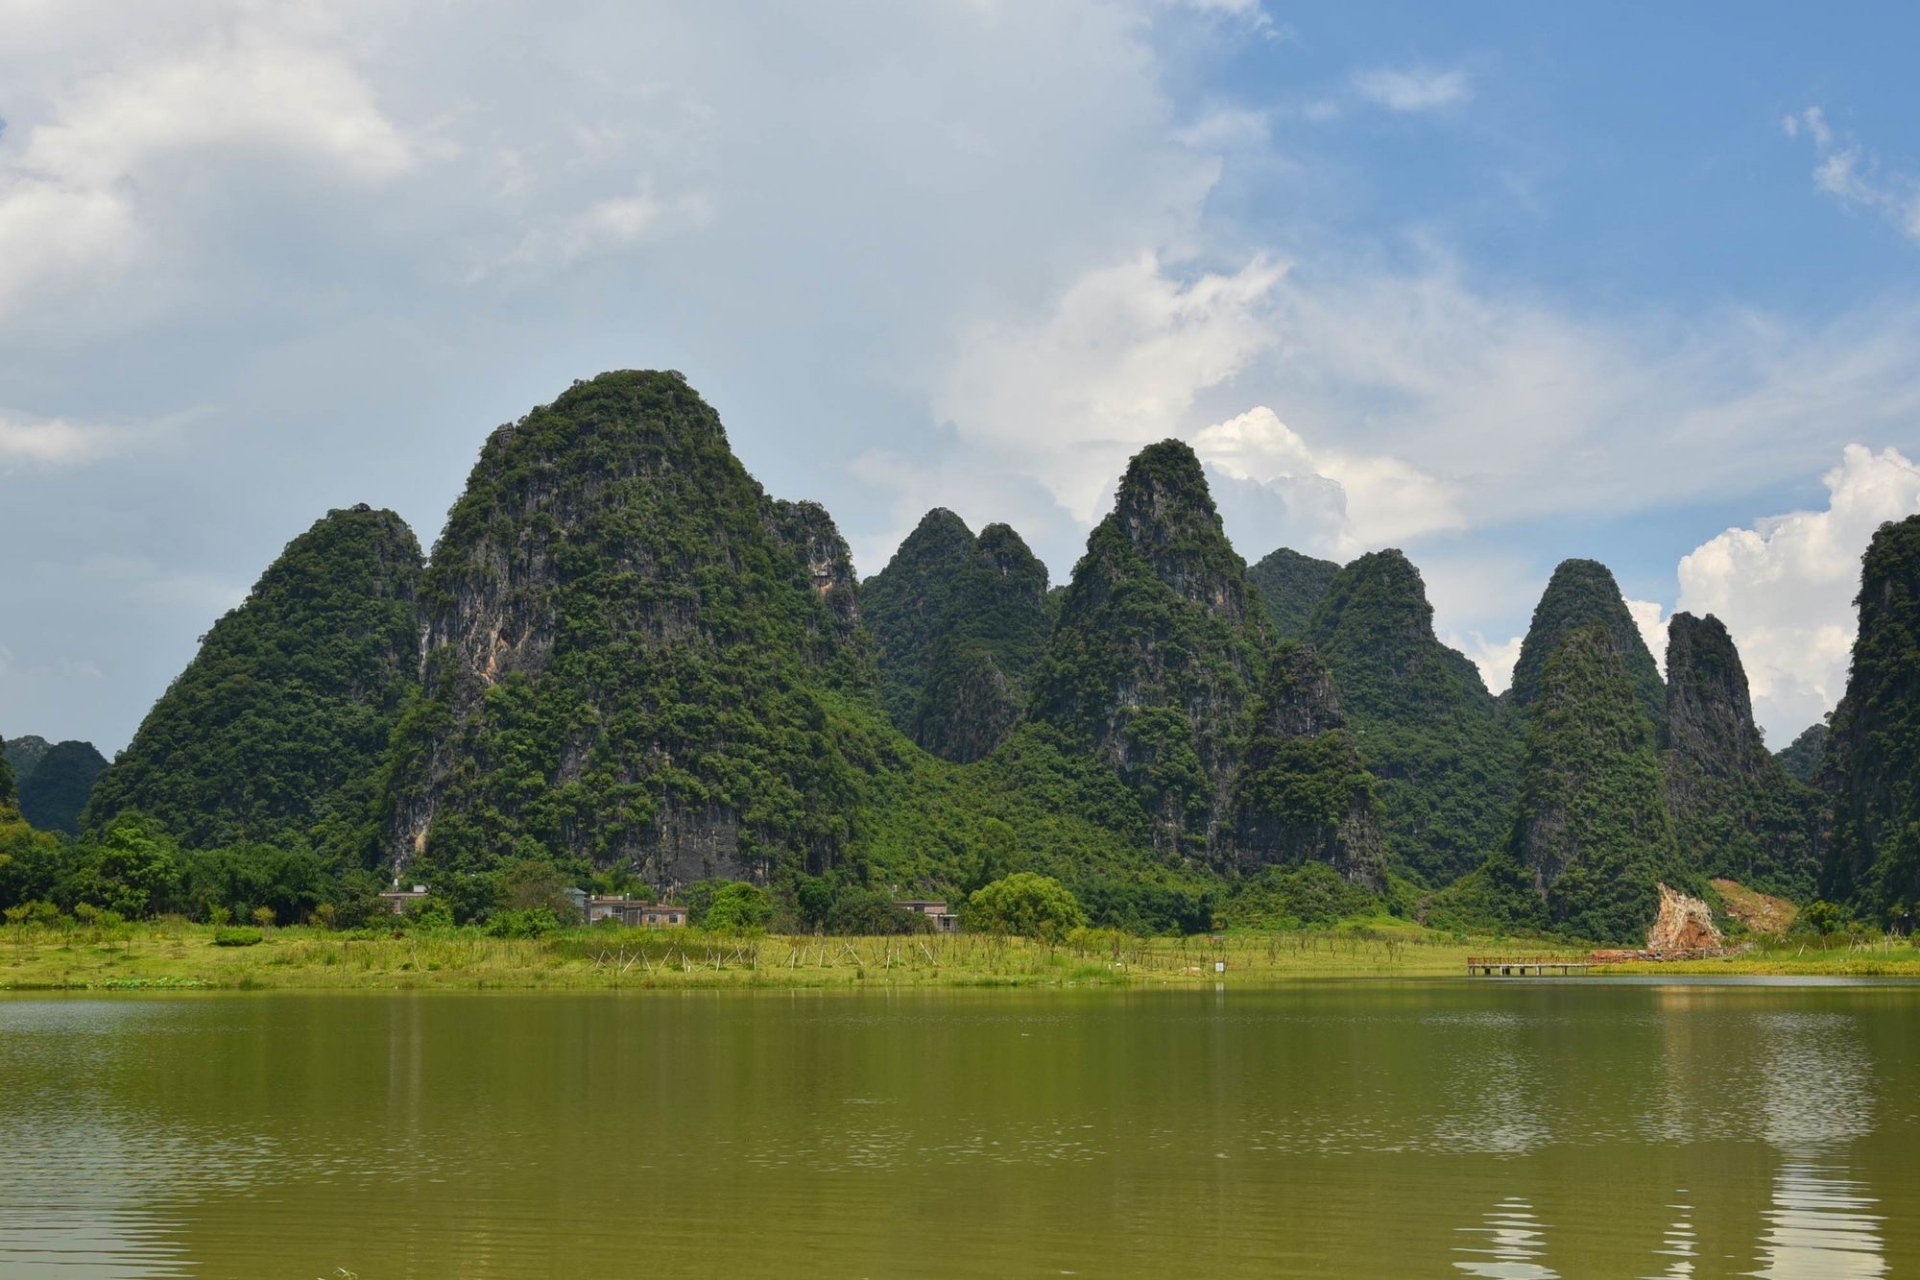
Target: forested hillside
[629, 666]
[1160, 645]
[277, 730]
[1426, 726]
[1290, 588]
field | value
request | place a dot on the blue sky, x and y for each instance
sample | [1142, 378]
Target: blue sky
[1497, 284]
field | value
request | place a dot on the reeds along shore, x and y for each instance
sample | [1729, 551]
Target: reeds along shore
[165, 956]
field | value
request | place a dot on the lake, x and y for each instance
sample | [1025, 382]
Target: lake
[1477, 1128]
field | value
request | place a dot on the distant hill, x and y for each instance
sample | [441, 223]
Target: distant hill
[25, 753]
[1801, 758]
[1583, 593]
[1427, 728]
[55, 793]
[1291, 585]
[277, 730]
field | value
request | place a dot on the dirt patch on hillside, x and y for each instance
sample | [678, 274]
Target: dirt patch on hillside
[1685, 924]
[1760, 912]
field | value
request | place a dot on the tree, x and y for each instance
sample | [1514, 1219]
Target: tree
[136, 866]
[738, 907]
[1025, 904]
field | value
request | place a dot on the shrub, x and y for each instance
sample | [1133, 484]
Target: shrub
[227, 937]
[532, 922]
[738, 907]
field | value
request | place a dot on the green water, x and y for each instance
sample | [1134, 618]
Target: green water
[1515, 1129]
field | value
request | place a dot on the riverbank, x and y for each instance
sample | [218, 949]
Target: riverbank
[173, 956]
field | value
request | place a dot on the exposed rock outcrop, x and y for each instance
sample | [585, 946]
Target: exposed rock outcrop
[1684, 925]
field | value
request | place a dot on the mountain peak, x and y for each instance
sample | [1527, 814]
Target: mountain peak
[1583, 593]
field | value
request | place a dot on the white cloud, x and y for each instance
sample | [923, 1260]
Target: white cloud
[56, 442]
[1651, 618]
[1374, 500]
[1851, 175]
[1116, 363]
[87, 193]
[1785, 587]
[1413, 88]
[1495, 658]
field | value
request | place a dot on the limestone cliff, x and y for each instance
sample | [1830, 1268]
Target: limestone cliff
[1425, 724]
[1583, 593]
[1736, 811]
[1301, 794]
[1291, 586]
[630, 653]
[1158, 649]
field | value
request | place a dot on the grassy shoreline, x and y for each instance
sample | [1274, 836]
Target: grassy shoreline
[173, 956]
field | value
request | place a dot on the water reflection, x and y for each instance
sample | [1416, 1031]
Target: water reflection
[1821, 1226]
[1680, 1244]
[1515, 1241]
[1819, 1097]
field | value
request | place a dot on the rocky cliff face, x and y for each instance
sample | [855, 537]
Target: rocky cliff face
[1582, 593]
[630, 653]
[1426, 726]
[1872, 764]
[1593, 832]
[906, 607]
[1736, 812]
[1301, 794]
[1290, 587]
[1159, 646]
[277, 729]
[994, 629]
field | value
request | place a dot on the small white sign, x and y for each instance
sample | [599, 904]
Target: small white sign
[1219, 966]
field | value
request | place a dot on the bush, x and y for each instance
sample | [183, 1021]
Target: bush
[1029, 905]
[737, 907]
[237, 937]
[532, 922]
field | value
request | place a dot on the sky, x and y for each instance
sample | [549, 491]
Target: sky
[1496, 284]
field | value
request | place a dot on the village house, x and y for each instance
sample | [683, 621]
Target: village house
[934, 909]
[632, 911]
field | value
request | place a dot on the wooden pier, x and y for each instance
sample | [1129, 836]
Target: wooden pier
[1524, 966]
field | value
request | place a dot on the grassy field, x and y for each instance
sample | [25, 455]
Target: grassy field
[177, 956]
[183, 956]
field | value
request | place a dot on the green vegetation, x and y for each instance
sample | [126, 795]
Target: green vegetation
[55, 793]
[1872, 765]
[906, 607]
[994, 629]
[21, 755]
[1582, 593]
[1290, 586]
[276, 731]
[1736, 812]
[631, 655]
[1593, 832]
[1301, 794]
[1159, 647]
[9, 794]
[1445, 760]
[1801, 758]
[1024, 905]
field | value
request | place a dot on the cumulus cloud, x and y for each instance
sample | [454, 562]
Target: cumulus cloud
[1413, 88]
[1116, 363]
[57, 442]
[1495, 658]
[1351, 502]
[86, 193]
[1785, 586]
[1850, 174]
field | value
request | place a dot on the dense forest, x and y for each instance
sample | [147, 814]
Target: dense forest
[625, 667]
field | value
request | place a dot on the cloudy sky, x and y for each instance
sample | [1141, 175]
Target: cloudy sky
[1498, 284]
